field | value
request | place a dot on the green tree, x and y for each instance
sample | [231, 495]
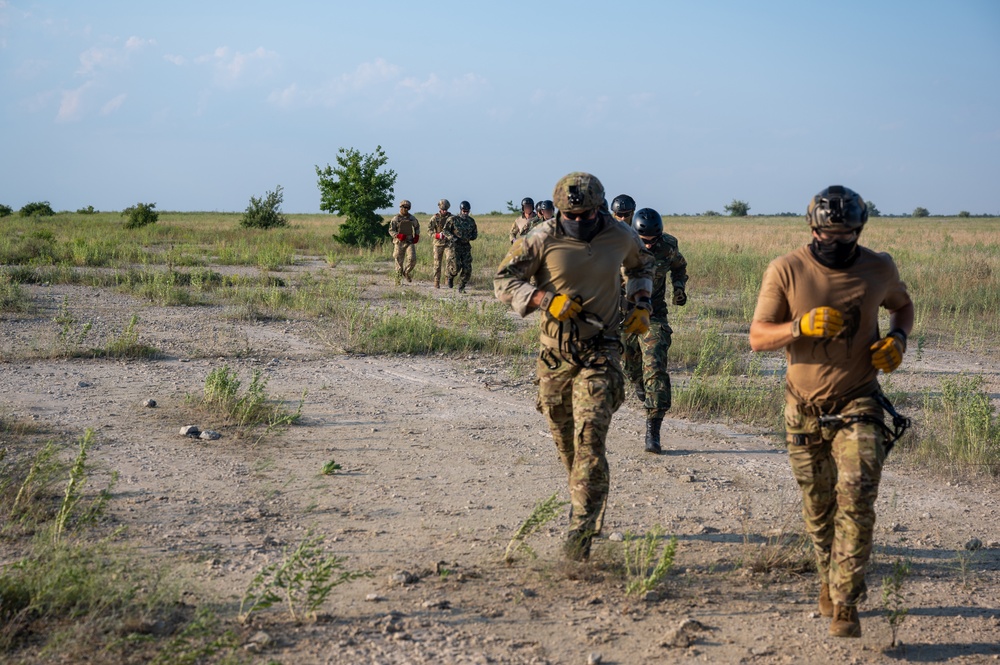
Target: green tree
[6, 211]
[139, 215]
[265, 213]
[920, 212]
[38, 209]
[873, 210]
[356, 189]
[737, 208]
[964, 213]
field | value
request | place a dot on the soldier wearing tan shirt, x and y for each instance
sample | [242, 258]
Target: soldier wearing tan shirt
[820, 304]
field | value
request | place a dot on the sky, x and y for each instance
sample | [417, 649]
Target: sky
[686, 106]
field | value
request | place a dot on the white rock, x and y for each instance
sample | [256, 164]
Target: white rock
[190, 430]
[209, 435]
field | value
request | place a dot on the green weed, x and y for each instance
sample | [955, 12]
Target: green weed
[302, 581]
[543, 513]
[644, 567]
[894, 607]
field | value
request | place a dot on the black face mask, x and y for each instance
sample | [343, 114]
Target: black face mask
[835, 253]
[584, 229]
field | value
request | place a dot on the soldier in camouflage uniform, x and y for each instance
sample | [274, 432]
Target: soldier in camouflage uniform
[622, 207]
[436, 226]
[546, 210]
[820, 303]
[404, 229]
[460, 232]
[526, 221]
[574, 260]
[646, 355]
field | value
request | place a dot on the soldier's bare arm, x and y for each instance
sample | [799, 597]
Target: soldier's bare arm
[767, 336]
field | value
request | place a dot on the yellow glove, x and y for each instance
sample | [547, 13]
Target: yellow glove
[887, 353]
[819, 322]
[637, 322]
[561, 307]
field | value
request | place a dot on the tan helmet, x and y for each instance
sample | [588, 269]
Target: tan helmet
[578, 192]
[444, 204]
[838, 208]
[404, 204]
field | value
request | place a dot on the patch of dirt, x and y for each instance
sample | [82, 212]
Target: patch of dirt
[442, 458]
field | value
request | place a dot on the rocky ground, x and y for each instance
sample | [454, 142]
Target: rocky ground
[441, 460]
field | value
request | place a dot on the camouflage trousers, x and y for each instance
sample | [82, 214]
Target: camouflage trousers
[646, 361]
[579, 403]
[838, 471]
[405, 255]
[439, 258]
[460, 262]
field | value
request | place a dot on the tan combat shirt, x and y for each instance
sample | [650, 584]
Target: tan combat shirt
[436, 225]
[561, 264]
[406, 224]
[837, 368]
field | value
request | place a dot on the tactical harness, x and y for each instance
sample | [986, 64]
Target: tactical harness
[573, 346]
[899, 423]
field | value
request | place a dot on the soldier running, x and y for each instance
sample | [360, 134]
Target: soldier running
[574, 260]
[820, 303]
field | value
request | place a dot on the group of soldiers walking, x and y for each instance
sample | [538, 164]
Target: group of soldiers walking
[453, 235]
[598, 277]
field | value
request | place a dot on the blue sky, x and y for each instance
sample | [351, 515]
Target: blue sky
[684, 105]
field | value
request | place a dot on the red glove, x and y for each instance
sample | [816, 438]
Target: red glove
[400, 236]
[416, 239]
[437, 236]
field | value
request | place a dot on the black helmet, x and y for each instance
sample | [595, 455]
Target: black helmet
[837, 207]
[527, 201]
[545, 205]
[647, 222]
[464, 205]
[622, 203]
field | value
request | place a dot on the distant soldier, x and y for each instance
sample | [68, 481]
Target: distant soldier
[546, 210]
[820, 303]
[436, 226]
[646, 354]
[622, 207]
[574, 260]
[525, 221]
[405, 232]
[460, 232]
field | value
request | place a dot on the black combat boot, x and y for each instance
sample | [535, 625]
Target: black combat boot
[451, 282]
[640, 390]
[653, 435]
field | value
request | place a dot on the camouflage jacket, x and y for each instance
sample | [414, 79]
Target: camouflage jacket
[668, 260]
[549, 260]
[406, 224]
[522, 225]
[460, 229]
[436, 225]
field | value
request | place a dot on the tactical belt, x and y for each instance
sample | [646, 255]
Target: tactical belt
[899, 423]
[574, 346]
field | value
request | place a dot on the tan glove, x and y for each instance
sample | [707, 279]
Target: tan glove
[561, 307]
[887, 353]
[819, 322]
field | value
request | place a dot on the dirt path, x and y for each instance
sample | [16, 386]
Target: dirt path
[441, 461]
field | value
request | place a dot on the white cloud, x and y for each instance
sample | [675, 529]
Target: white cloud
[96, 57]
[70, 105]
[113, 104]
[135, 43]
[233, 67]
[178, 60]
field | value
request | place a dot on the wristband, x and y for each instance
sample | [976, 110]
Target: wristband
[546, 301]
[797, 328]
[900, 334]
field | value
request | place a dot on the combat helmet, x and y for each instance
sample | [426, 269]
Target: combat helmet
[545, 205]
[622, 203]
[837, 208]
[578, 192]
[404, 204]
[464, 206]
[444, 204]
[647, 223]
[527, 201]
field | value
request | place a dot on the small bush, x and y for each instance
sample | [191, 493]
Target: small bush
[37, 209]
[264, 213]
[964, 213]
[6, 211]
[89, 210]
[920, 212]
[139, 215]
[710, 213]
